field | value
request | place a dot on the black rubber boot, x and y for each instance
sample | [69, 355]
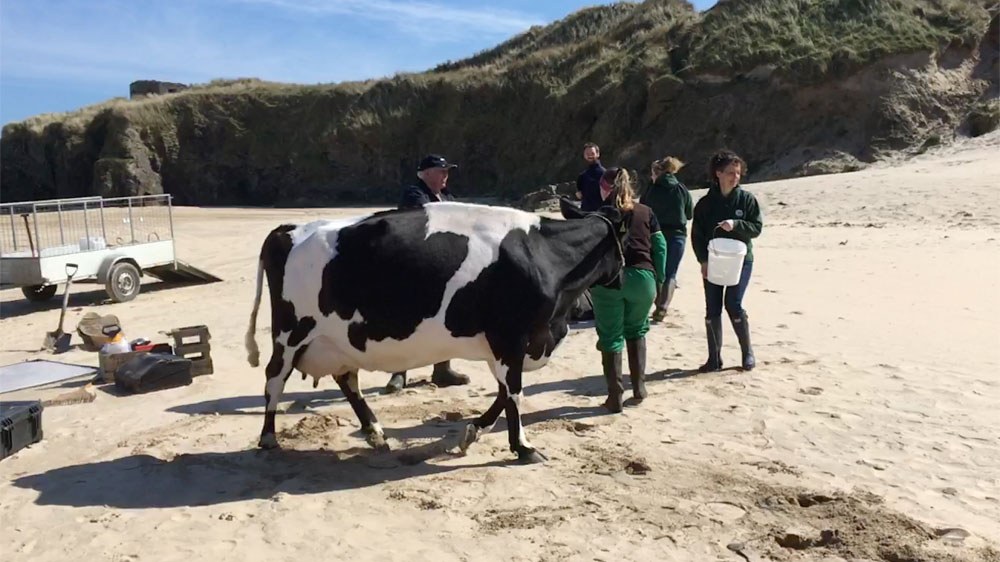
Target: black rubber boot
[613, 375]
[664, 294]
[396, 382]
[660, 311]
[445, 376]
[637, 367]
[671, 286]
[713, 330]
[742, 328]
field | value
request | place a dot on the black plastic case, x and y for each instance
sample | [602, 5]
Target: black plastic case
[22, 426]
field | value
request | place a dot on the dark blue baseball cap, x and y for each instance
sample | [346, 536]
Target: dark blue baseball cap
[435, 161]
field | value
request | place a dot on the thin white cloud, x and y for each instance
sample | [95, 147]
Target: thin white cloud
[117, 40]
[120, 43]
[428, 17]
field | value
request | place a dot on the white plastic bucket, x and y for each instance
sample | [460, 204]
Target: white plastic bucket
[725, 261]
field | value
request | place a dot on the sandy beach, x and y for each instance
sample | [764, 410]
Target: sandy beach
[869, 430]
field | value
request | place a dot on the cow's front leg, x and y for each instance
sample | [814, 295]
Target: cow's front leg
[526, 454]
[485, 421]
[369, 425]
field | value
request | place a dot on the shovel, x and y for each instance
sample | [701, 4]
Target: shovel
[27, 226]
[58, 341]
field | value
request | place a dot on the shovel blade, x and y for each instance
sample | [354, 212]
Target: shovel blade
[56, 342]
[62, 344]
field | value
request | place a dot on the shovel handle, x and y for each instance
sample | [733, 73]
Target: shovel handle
[70, 271]
[27, 227]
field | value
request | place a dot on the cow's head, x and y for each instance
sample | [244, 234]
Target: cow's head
[569, 209]
[610, 269]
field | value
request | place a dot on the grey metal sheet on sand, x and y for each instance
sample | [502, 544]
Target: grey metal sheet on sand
[38, 372]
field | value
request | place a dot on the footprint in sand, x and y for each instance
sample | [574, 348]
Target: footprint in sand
[723, 512]
[874, 465]
[952, 535]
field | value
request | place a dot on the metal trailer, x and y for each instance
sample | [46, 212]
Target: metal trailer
[114, 242]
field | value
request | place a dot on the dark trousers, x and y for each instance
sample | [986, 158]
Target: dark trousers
[675, 251]
[733, 298]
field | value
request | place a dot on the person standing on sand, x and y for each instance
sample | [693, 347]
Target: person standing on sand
[726, 211]
[431, 187]
[588, 186]
[671, 203]
[622, 315]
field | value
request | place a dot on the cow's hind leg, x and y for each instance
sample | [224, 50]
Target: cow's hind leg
[485, 421]
[369, 425]
[282, 362]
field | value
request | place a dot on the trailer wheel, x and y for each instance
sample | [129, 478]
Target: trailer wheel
[39, 293]
[123, 282]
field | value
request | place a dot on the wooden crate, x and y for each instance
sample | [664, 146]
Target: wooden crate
[191, 342]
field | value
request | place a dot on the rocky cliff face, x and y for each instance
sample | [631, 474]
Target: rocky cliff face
[795, 93]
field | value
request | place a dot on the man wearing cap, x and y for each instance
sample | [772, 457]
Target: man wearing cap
[431, 187]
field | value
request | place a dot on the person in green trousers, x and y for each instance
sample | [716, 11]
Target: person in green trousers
[622, 315]
[671, 202]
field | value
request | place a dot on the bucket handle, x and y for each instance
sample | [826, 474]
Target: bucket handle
[717, 227]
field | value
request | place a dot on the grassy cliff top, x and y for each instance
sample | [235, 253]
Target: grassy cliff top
[802, 40]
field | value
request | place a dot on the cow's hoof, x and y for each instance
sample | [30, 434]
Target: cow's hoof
[530, 456]
[469, 437]
[614, 404]
[268, 441]
[377, 442]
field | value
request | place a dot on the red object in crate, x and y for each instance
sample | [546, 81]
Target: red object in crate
[154, 348]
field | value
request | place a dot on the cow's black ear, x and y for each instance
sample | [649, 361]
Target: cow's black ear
[569, 209]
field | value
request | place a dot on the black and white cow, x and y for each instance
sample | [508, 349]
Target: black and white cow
[403, 289]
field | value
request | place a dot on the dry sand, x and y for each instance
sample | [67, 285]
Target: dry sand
[869, 428]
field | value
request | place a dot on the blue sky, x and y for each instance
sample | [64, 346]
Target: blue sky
[58, 55]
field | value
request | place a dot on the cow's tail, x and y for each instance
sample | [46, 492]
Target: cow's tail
[253, 352]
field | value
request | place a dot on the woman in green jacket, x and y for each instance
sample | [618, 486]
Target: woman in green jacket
[671, 202]
[726, 211]
[622, 315]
